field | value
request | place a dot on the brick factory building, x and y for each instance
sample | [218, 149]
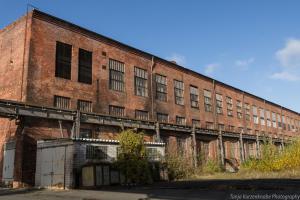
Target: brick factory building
[59, 80]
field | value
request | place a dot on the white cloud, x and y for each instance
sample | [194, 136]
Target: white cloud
[289, 59]
[286, 76]
[289, 56]
[211, 68]
[179, 59]
[244, 63]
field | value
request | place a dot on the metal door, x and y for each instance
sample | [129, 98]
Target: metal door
[53, 167]
[8, 161]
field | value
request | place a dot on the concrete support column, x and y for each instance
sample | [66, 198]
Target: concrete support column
[157, 130]
[77, 124]
[60, 128]
[257, 147]
[241, 144]
[221, 148]
[194, 144]
[282, 143]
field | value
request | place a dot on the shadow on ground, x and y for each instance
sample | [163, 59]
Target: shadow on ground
[200, 189]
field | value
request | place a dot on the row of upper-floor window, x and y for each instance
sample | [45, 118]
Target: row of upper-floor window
[117, 83]
[86, 106]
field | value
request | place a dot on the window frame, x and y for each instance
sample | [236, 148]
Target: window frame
[116, 75]
[179, 92]
[63, 63]
[140, 82]
[85, 66]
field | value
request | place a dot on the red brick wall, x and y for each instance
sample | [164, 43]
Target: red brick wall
[43, 85]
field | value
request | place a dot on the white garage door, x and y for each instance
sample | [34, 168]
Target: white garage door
[53, 167]
[8, 161]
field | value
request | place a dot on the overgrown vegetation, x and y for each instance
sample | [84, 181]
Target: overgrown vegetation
[132, 160]
[181, 167]
[273, 160]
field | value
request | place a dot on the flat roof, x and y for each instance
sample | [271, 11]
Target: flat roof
[50, 18]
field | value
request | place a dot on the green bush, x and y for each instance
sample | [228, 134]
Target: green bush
[178, 166]
[211, 167]
[132, 161]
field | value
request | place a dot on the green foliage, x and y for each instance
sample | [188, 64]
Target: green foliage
[132, 160]
[211, 167]
[273, 161]
[178, 166]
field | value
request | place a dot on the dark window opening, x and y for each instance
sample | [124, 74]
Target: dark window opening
[180, 120]
[85, 66]
[117, 111]
[63, 60]
[141, 115]
[85, 106]
[161, 117]
[96, 152]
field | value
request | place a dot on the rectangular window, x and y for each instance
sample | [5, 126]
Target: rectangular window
[229, 106]
[161, 117]
[239, 111]
[85, 133]
[96, 152]
[221, 127]
[180, 120]
[219, 104]
[279, 121]
[283, 122]
[255, 117]
[152, 153]
[196, 122]
[194, 96]
[142, 115]
[117, 111]
[140, 82]
[85, 66]
[268, 118]
[207, 101]
[85, 106]
[247, 111]
[61, 102]
[179, 92]
[231, 128]
[209, 125]
[63, 60]
[288, 123]
[116, 75]
[161, 87]
[249, 131]
[274, 120]
[262, 116]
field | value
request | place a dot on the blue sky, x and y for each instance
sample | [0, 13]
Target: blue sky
[252, 45]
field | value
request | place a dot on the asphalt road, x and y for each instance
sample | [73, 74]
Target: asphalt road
[189, 190]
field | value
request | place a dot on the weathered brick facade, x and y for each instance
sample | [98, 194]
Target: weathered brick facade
[27, 74]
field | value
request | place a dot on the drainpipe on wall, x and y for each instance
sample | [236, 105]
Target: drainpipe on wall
[151, 86]
[214, 105]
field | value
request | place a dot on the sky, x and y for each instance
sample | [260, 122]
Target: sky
[252, 45]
